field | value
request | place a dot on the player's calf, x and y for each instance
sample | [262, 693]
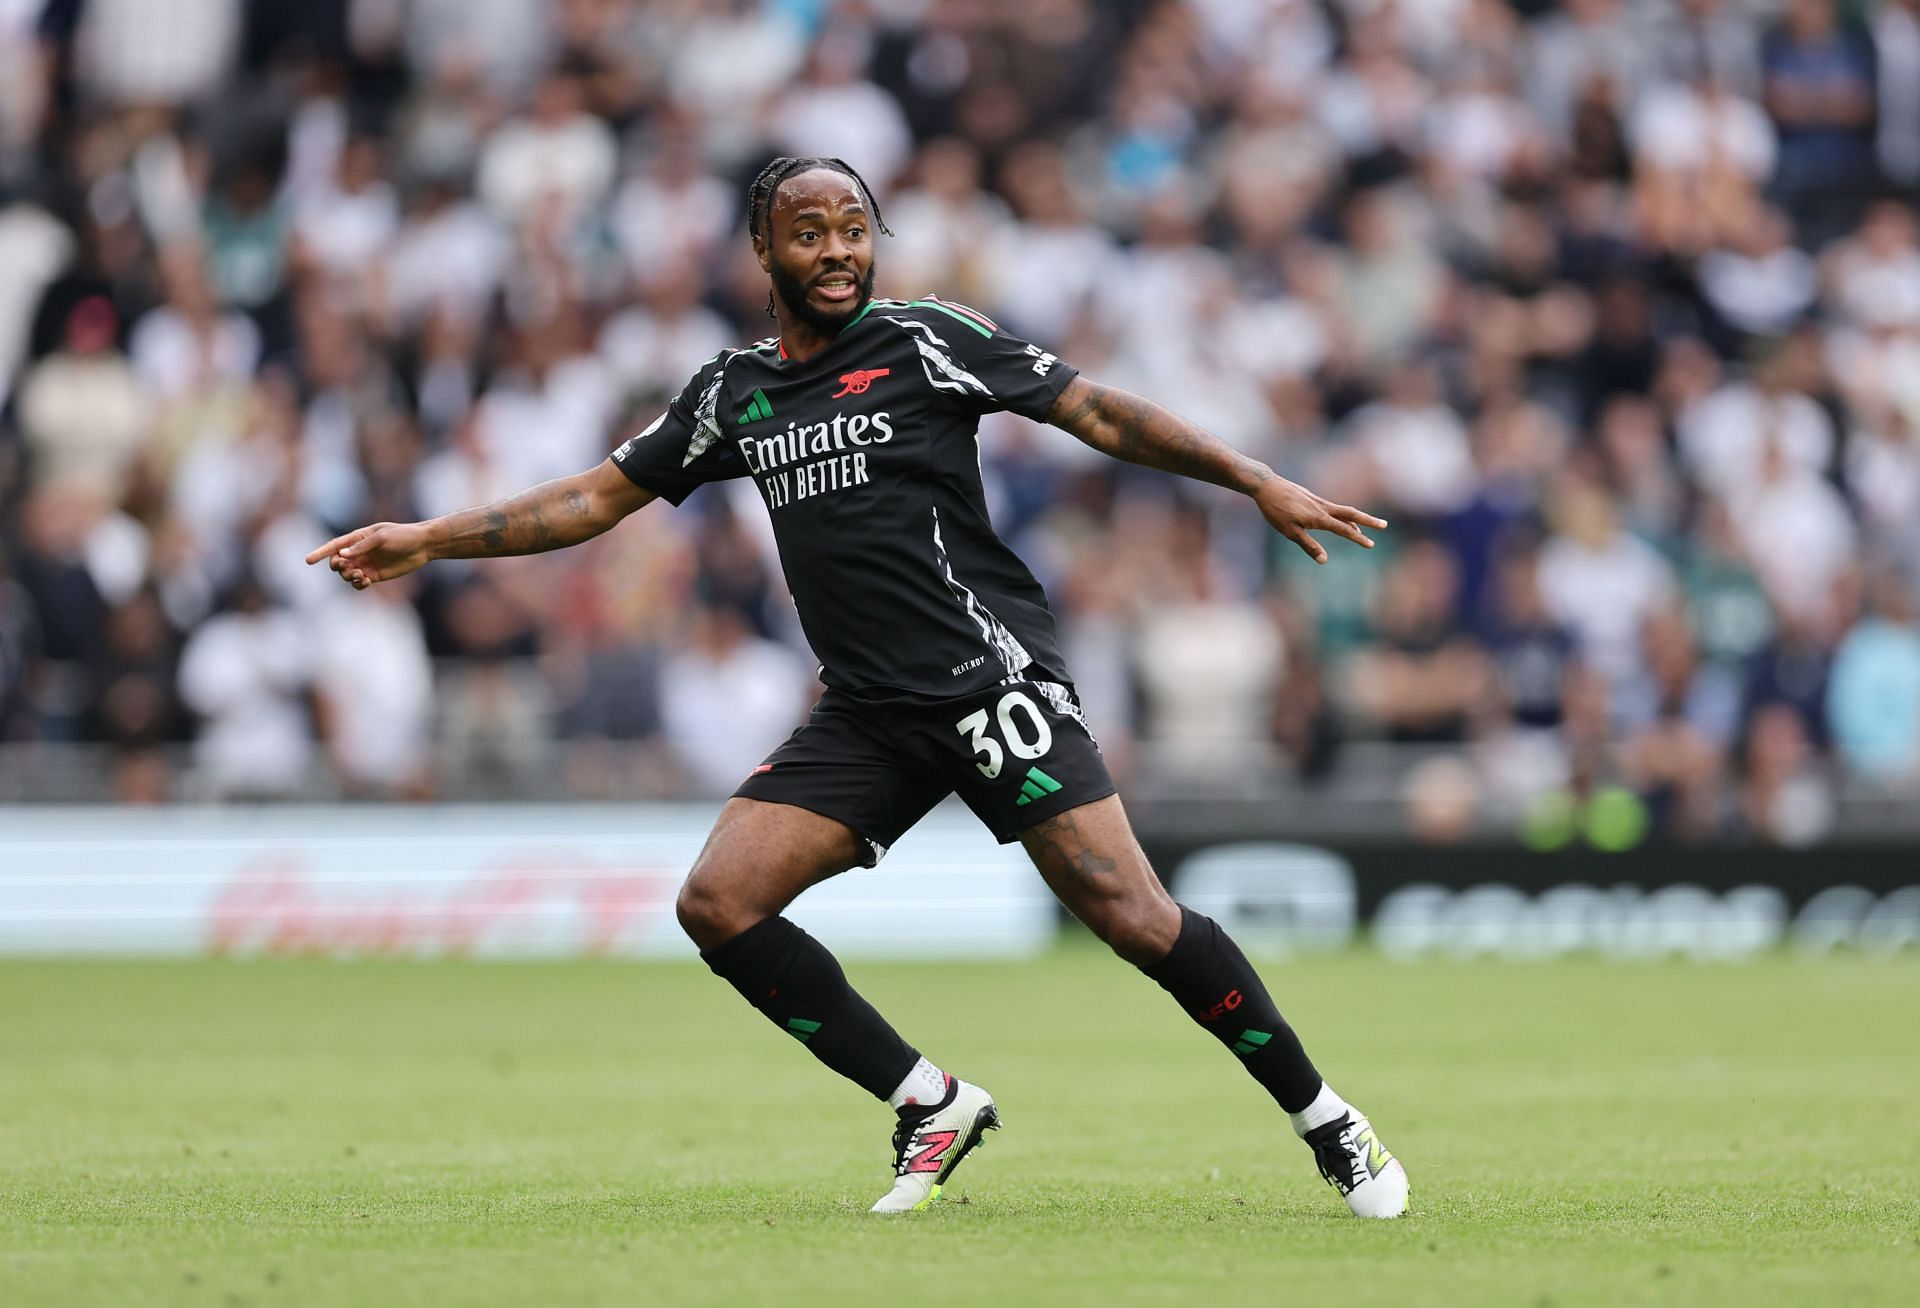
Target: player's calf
[1212, 980]
[798, 986]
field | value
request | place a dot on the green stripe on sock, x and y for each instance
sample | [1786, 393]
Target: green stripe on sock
[801, 1029]
[1250, 1041]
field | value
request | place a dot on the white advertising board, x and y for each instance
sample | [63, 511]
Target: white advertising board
[482, 881]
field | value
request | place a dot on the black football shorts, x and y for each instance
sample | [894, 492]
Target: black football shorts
[1016, 754]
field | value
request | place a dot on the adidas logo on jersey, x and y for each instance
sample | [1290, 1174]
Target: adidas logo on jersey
[757, 408]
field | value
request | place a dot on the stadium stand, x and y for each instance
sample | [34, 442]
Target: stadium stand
[1613, 308]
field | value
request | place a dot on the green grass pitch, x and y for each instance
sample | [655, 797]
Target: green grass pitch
[267, 1133]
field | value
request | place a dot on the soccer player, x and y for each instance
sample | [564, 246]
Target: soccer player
[857, 423]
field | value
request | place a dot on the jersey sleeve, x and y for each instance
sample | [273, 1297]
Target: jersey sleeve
[972, 361]
[684, 448]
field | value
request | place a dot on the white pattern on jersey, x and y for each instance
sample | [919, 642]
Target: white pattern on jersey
[1013, 655]
[942, 372]
[706, 427]
[1063, 703]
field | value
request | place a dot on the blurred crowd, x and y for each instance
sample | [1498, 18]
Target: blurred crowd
[1612, 306]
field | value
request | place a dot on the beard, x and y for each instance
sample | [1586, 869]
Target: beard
[793, 293]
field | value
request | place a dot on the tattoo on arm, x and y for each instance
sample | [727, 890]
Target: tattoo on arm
[1128, 427]
[1084, 409]
[495, 531]
[550, 516]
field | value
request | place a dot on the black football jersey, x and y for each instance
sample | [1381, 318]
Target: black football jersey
[868, 458]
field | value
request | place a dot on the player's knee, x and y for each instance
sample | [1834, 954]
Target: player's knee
[707, 915]
[1139, 928]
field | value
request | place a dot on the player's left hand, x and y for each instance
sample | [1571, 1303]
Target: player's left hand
[1296, 511]
[377, 553]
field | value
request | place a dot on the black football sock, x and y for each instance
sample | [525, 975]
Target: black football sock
[1209, 977]
[790, 976]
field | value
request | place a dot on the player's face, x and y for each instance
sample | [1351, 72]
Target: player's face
[820, 251]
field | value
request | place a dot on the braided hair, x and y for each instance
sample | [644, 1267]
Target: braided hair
[760, 194]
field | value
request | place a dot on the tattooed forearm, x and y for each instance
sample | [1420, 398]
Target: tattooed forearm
[495, 531]
[551, 516]
[1138, 430]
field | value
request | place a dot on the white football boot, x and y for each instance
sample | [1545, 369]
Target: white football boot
[927, 1149]
[1355, 1163]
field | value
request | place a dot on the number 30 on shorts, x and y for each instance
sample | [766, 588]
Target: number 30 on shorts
[1028, 740]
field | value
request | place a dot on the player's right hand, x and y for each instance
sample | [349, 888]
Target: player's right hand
[380, 552]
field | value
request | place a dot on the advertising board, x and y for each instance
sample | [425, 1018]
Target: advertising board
[487, 881]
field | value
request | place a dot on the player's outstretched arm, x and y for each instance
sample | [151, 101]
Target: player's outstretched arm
[1128, 427]
[550, 516]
